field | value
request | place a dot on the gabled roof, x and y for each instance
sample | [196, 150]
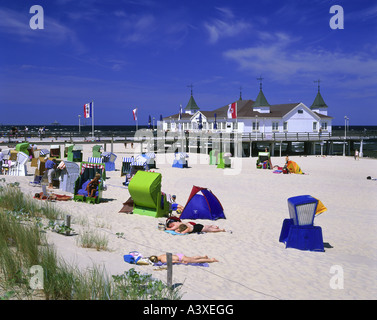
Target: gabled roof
[318, 102]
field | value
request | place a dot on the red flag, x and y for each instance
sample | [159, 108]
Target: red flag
[134, 112]
[232, 111]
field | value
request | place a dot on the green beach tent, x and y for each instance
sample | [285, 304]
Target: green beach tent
[145, 190]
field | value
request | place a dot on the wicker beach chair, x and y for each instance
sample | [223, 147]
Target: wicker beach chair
[223, 160]
[88, 171]
[18, 167]
[180, 160]
[108, 158]
[145, 190]
[299, 231]
[126, 165]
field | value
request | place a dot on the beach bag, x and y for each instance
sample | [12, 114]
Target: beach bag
[132, 257]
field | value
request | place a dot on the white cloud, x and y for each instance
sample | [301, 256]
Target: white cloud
[284, 59]
[137, 28]
[226, 26]
[17, 24]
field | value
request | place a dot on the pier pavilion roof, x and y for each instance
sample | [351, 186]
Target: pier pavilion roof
[318, 102]
[191, 105]
[245, 110]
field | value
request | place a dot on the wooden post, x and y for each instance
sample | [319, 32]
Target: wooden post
[169, 261]
[68, 224]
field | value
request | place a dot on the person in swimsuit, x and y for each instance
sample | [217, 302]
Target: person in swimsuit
[189, 228]
[181, 258]
[93, 185]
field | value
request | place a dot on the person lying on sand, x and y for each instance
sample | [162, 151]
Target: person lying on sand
[189, 228]
[181, 258]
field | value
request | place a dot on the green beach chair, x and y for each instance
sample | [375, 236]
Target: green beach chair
[145, 190]
[97, 151]
[223, 161]
[87, 173]
[213, 157]
[23, 147]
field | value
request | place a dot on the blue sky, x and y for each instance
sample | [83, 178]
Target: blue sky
[144, 53]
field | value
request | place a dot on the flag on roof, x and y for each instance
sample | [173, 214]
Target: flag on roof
[134, 112]
[232, 111]
[180, 113]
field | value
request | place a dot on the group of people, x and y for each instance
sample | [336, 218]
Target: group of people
[51, 166]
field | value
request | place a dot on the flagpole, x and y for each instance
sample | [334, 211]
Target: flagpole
[92, 119]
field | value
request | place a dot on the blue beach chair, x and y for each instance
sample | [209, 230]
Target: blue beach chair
[180, 160]
[299, 231]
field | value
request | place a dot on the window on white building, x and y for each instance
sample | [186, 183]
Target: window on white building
[275, 126]
[255, 126]
[324, 126]
[285, 126]
[314, 126]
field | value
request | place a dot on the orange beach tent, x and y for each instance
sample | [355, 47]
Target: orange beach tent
[293, 167]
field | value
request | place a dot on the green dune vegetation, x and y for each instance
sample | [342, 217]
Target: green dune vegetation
[24, 223]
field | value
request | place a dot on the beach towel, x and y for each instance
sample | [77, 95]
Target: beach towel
[83, 191]
[199, 264]
[175, 233]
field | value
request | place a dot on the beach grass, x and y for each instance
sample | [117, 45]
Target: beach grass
[93, 239]
[23, 244]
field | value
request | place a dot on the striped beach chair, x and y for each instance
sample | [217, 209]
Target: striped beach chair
[299, 231]
[94, 160]
[180, 160]
[126, 165]
[44, 152]
[151, 159]
[108, 158]
[139, 163]
[88, 171]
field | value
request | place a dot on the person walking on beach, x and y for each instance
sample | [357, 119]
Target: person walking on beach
[356, 154]
[50, 166]
[1, 161]
[181, 258]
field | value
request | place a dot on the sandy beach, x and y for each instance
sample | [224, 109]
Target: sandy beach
[253, 264]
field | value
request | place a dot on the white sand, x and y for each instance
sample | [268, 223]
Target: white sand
[253, 263]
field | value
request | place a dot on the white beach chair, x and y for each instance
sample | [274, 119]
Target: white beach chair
[18, 168]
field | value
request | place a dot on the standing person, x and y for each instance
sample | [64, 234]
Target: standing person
[50, 166]
[1, 161]
[356, 154]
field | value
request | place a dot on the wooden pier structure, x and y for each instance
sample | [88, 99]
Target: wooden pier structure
[239, 145]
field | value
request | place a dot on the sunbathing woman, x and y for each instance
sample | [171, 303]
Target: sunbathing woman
[189, 228]
[93, 185]
[181, 258]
